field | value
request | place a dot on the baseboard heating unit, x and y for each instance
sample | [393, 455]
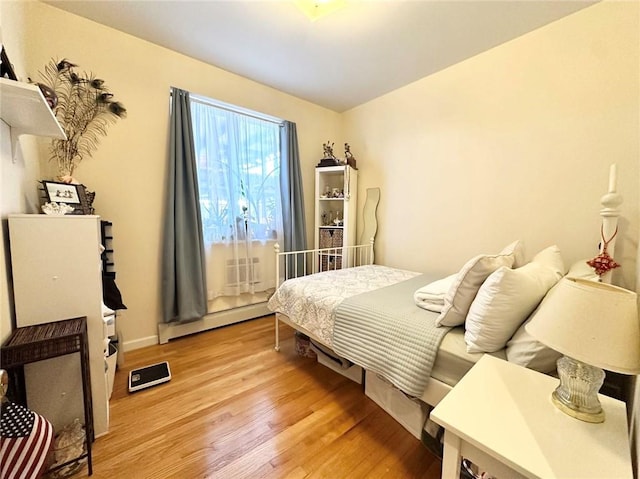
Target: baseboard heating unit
[148, 376]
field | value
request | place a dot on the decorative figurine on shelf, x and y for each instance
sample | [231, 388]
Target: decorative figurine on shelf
[349, 159]
[49, 95]
[57, 209]
[328, 150]
[328, 159]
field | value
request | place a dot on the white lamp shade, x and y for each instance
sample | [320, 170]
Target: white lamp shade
[592, 322]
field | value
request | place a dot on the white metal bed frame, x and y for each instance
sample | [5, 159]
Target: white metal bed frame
[295, 264]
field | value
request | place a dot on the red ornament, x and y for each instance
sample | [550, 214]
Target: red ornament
[604, 262]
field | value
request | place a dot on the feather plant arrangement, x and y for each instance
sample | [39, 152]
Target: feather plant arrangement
[85, 108]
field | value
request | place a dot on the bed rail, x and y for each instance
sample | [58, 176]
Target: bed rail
[293, 264]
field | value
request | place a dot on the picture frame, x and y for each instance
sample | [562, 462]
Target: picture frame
[73, 195]
[6, 68]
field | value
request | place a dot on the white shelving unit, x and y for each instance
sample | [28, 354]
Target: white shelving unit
[57, 275]
[24, 109]
[335, 213]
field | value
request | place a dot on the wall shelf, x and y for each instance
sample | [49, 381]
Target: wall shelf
[24, 109]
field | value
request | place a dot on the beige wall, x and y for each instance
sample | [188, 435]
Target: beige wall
[128, 171]
[18, 168]
[634, 403]
[513, 143]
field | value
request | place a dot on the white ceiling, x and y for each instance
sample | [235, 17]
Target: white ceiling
[366, 49]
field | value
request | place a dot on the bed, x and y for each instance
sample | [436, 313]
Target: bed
[367, 314]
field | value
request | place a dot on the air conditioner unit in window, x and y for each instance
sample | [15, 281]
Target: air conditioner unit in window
[243, 271]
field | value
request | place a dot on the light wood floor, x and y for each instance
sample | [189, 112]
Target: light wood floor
[235, 408]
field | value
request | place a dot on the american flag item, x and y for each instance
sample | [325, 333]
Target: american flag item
[25, 441]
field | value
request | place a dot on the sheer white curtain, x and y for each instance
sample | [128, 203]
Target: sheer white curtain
[238, 161]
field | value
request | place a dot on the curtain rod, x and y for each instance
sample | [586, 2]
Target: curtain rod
[235, 109]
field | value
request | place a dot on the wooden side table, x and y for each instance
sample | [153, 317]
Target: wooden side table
[49, 340]
[500, 417]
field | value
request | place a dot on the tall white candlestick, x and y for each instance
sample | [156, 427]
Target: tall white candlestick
[613, 178]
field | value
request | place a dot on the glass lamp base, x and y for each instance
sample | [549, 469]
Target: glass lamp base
[577, 394]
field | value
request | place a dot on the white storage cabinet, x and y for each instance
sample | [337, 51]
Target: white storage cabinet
[57, 274]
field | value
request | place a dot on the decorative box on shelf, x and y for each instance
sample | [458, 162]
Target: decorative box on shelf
[331, 237]
[329, 262]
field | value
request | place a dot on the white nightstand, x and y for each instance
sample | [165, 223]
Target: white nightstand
[500, 417]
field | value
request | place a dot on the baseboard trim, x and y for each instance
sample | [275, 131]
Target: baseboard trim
[168, 331]
[139, 343]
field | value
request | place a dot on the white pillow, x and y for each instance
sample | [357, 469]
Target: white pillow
[467, 282]
[516, 249]
[551, 258]
[507, 298]
[525, 350]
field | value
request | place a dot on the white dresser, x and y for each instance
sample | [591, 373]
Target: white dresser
[57, 275]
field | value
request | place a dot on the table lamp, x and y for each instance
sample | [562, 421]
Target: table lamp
[595, 326]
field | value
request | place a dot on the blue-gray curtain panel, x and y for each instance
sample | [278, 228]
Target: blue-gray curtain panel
[184, 291]
[295, 231]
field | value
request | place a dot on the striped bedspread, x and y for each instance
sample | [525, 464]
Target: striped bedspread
[310, 301]
[385, 332]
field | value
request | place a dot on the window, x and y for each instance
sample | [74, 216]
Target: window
[238, 165]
